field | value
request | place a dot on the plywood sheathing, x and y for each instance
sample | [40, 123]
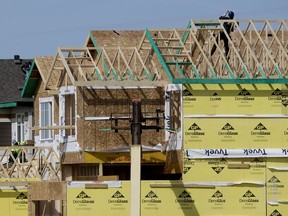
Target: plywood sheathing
[44, 65]
[72, 157]
[48, 193]
[121, 38]
[45, 190]
[96, 135]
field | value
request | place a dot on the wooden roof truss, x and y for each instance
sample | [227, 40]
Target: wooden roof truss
[258, 53]
[100, 66]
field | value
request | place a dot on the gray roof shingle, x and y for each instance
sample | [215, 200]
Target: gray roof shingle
[12, 80]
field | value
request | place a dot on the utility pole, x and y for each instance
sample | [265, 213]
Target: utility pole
[135, 154]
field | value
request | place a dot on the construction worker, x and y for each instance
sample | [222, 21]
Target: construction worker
[22, 154]
[228, 26]
[15, 152]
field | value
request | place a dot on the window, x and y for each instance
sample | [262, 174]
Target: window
[20, 127]
[46, 119]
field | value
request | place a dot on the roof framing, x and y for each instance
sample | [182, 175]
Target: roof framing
[258, 54]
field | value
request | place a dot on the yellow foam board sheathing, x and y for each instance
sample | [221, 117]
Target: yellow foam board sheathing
[14, 202]
[221, 200]
[235, 133]
[181, 200]
[277, 180]
[14, 199]
[224, 170]
[115, 200]
[279, 209]
[213, 99]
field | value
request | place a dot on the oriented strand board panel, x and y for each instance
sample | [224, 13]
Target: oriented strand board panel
[117, 38]
[47, 191]
[98, 135]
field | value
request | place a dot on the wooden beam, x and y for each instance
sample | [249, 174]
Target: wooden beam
[180, 185]
[120, 83]
[96, 186]
[238, 166]
[13, 183]
[57, 127]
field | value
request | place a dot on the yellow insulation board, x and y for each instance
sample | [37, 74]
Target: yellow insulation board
[277, 180]
[224, 170]
[104, 202]
[14, 202]
[279, 209]
[215, 99]
[156, 200]
[235, 133]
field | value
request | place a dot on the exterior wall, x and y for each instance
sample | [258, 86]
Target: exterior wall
[102, 103]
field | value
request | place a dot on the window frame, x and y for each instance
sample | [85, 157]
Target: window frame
[51, 112]
[20, 124]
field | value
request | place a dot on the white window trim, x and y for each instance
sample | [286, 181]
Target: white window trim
[44, 100]
[66, 90]
[22, 126]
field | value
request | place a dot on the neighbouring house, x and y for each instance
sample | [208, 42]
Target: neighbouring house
[16, 113]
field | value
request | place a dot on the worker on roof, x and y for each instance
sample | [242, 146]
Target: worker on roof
[228, 26]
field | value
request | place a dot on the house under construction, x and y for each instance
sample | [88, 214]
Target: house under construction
[148, 122]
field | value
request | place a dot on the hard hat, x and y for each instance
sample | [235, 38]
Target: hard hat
[230, 14]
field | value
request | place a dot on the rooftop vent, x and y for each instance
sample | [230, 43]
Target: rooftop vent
[17, 59]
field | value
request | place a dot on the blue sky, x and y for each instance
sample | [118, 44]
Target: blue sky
[32, 28]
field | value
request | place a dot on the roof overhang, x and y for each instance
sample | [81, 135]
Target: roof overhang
[31, 82]
[16, 104]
